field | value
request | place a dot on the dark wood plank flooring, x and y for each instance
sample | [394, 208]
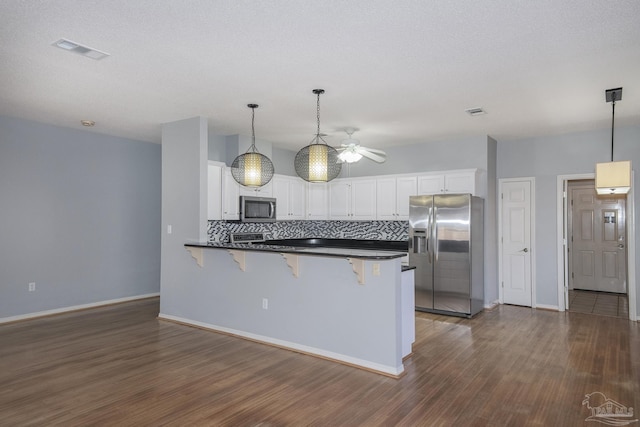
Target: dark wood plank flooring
[121, 366]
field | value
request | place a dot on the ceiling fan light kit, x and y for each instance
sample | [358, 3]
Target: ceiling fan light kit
[252, 169]
[352, 151]
[317, 162]
[613, 177]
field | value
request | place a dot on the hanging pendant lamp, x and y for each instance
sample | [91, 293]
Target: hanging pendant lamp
[317, 162]
[252, 169]
[613, 177]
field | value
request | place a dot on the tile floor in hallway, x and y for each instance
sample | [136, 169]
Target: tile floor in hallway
[602, 303]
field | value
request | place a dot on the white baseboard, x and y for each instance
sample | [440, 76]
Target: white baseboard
[74, 308]
[547, 307]
[353, 361]
[491, 305]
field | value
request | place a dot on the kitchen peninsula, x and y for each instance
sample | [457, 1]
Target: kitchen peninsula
[325, 297]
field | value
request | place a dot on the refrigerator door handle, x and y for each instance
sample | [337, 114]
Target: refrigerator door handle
[429, 243]
[435, 235]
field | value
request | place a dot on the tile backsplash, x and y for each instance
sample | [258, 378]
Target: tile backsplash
[219, 231]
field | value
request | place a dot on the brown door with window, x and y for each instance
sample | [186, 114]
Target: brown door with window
[597, 246]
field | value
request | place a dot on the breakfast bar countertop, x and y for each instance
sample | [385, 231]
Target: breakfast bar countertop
[342, 248]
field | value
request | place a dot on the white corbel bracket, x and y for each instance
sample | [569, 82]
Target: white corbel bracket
[197, 254]
[238, 257]
[292, 262]
[358, 267]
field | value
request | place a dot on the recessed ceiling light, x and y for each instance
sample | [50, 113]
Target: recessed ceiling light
[475, 111]
[74, 47]
[88, 123]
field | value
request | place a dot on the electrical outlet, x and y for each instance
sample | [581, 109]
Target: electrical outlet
[265, 304]
[32, 286]
[376, 269]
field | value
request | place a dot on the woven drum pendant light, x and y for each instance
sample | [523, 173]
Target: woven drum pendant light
[317, 162]
[252, 169]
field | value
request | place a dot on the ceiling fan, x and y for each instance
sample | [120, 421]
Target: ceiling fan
[351, 151]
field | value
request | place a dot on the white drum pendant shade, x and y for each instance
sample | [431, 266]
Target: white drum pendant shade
[613, 177]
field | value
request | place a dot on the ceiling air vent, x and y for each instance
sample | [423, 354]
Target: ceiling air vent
[74, 47]
[475, 111]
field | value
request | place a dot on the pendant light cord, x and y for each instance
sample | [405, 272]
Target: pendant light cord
[253, 148]
[253, 129]
[318, 137]
[613, 118]
[318, 115]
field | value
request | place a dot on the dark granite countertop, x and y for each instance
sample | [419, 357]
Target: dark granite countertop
[343, 248]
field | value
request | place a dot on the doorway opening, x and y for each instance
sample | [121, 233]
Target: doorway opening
[595, 241]
[600, 303]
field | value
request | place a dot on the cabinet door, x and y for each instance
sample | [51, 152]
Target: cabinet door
[340, 200]
[430, 184]
[363, 199]
[231, 200]
[297, 198]
[463, 182]
[281, 193]
[385, 199]
[214, 192]
[405, 188]
[264, 191]
[317, 200]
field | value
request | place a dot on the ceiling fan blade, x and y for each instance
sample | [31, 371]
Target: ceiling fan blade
[373, 150]
[375, 157]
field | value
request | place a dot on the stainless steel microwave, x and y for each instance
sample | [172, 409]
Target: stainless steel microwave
[257, 209]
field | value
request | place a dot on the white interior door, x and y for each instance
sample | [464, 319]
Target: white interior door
[597, 246]
[516, 251]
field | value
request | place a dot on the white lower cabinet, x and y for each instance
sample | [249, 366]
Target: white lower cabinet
[290, 197]
[352, 199]
[392, 197]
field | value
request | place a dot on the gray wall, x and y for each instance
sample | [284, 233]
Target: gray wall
[546, 158]
[465, 153]
[80, 217]
[184, 201]
[217, 147]
[283, 161]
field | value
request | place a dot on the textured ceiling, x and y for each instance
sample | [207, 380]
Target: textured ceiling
[400, 71]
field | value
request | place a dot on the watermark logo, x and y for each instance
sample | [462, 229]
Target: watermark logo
[607, 411]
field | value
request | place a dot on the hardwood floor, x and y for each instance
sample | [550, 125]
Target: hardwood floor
[121, 366]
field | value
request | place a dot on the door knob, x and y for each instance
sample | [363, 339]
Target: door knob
[525, 250]
[621, 246]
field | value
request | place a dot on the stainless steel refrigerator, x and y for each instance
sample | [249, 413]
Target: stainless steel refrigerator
[446, 245]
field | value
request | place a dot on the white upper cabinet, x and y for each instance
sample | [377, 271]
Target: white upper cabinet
[352, 199]
[214, 191]
[317, 201]
[464, 181]
[367, 198]
[392, 197]
[290, 195]
[231, 196]
[264, 191]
